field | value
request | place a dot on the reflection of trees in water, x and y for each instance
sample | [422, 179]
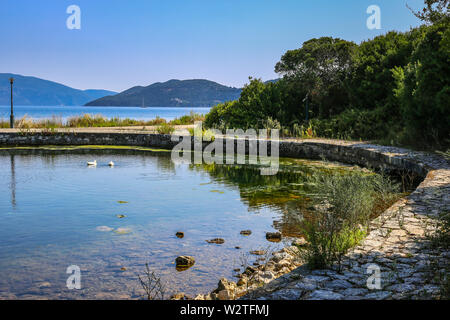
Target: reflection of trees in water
[286, 192]
[164, 162]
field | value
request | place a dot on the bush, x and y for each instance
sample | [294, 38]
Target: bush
[344, 208]
[191, 118]
[165, 129]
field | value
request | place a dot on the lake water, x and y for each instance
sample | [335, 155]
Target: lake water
[42, 112]
[56, 212]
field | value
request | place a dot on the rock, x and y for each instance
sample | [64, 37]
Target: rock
[123, 269]
[273, 236]
[44, 284]
[315, 279]
[236, 270]
[325, 295]
[402, 288]
[300, 242]
[258, 252]
[237, 248]
[199, 297]
[179, 296]
[246, 232]
[282, 264]
[184, 262]
[338, 285]
[379, 295]
[242, 281]
[286, 294]
[224, 284]
[216, 241]
[265, 277]
[122, 230]
[104, 229]
[250, 270]
[121, 216]
[278, 256]
[179, 234]
[355, 292]
[226, 290]
[225, 295]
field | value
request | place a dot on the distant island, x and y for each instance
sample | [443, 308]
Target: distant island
[173, 93]
[32, 91]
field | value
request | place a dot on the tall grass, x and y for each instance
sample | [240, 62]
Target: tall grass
[88, 120]
[345, 205]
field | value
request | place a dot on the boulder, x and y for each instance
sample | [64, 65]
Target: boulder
[246, 232]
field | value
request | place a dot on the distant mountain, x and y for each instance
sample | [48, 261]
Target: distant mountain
[38, 92]
[173, 93]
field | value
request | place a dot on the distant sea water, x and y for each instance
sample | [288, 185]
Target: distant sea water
[64, 112]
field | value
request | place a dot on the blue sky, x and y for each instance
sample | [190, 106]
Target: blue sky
[137, 42]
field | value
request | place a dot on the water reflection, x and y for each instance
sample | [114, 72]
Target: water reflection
[13, 182]
[62, 202]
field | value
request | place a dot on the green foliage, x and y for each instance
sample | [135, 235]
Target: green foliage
[425, 95]
[190, 118]
[165, 128]
[435, 11]
[344, 208]
[321, 67]
[394, 89]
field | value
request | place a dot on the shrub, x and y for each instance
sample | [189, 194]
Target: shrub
[165, 128]
[344, 208]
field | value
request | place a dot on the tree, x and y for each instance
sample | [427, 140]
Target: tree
[435, 11]
[320, 67]
[425, 94]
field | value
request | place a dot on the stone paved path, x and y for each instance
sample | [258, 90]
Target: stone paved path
[398, 245]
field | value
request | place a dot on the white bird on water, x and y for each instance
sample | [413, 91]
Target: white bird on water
[92, 163]
[111, 164]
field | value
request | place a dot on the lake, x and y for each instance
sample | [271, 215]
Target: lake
[56, 212]
[42, 112]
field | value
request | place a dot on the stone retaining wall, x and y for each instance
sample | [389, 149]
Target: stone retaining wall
[365, 155]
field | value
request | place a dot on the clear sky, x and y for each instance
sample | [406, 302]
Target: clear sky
[123, 43]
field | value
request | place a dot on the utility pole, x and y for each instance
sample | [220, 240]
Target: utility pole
[11, 118]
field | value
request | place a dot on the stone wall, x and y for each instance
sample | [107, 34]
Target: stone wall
[365, 155]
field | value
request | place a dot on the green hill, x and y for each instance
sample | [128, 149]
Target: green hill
[173, 93]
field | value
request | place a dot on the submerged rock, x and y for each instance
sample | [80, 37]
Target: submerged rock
[122, 230]
[184, 262]
[258, 252]
[216, 241]
[104, 229]
[273, 236]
